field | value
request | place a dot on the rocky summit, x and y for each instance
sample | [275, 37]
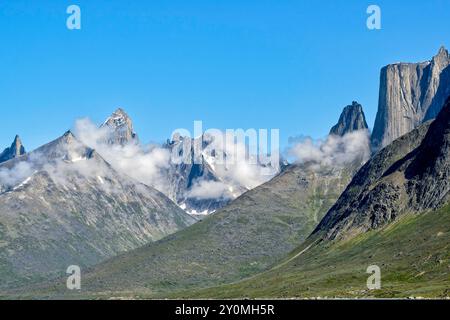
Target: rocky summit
[120, 128]
[351, 119]
[410, 93]
[16, 150]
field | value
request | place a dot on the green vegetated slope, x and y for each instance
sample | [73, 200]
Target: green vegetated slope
[395, 214]
[248, 236]
[413, 254]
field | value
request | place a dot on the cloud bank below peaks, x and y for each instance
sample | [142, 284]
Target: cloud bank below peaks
[334, 150]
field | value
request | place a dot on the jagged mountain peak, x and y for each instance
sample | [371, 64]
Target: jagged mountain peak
[68, 136]
[352, 119]
[15, 150]
[17, 139]
[18, 146]
[443, 52]
[121, 131]
[118, 118]
[120, 111]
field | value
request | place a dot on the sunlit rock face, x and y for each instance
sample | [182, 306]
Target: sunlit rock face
[120, 127]
[410, 93]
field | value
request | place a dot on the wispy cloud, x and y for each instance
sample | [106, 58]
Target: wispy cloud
[333, 150]
[144, 163]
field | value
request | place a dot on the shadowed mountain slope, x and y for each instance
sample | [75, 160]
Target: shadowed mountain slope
[16, 150]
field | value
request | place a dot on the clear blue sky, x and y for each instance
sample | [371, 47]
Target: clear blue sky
[291, 65]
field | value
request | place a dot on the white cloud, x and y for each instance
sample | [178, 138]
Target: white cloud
[17, 174]
[334, 150]
[210, 190]
[241, 166]
[146, 164]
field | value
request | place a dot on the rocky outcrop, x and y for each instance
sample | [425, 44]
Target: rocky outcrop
[410, 93]
[120, 128]
[409, 175]
[193, 169]
[16, 150]
[352, 119]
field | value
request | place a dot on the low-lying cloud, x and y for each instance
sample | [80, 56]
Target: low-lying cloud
[149, 164]
[10, 177]
[333, 150]
[204, 190]
[144, 163]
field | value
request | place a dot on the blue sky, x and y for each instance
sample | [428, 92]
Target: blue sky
[291, 65]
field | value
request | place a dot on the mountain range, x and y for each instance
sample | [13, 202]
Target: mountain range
[246, 237]
[63, 204]
[352, 201]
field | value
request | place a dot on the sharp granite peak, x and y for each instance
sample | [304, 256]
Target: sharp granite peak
[16, 150]
[179, 182]
[410, 93]
[352, 119]
[121, 127]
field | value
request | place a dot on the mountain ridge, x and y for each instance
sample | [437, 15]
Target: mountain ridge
[71, 207]
[15, 150]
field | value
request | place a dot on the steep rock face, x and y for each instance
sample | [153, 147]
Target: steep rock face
[121, 128]
[63, 204]
[16, 150]
[352, 119]
[180, 178]
[194, 168]
[410, 93]
[410, 175]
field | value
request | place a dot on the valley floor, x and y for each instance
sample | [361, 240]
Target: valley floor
[412, 253]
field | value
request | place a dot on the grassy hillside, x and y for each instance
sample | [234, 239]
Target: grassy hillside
[245, 238]
[413, 254]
